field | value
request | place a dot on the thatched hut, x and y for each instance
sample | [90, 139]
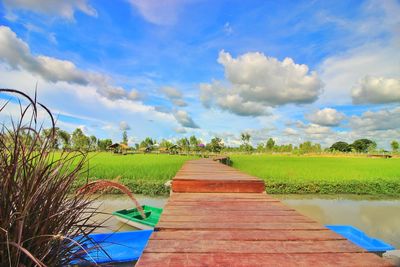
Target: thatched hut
[118, 148]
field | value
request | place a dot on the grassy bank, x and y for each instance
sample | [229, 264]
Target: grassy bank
[325, 175]
[143, 174]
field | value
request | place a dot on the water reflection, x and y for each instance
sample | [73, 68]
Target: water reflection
[378, 218]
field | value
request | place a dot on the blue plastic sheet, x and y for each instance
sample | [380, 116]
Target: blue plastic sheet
[114, 247]
[359, 238]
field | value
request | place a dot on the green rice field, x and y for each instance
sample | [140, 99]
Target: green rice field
[283, 174]
[325, 175]
[142, 173]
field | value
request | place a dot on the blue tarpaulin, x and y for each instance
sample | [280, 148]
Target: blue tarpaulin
[359, 238]
[114, 247]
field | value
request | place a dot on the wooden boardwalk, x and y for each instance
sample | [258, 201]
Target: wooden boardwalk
[218, 216]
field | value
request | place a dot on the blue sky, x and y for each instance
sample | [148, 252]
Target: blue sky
[292, 70]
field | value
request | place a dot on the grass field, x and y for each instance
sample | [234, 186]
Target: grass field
[146, 174]
[326, 175]
[143, 174]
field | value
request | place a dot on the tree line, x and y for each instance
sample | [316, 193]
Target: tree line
[77, 140]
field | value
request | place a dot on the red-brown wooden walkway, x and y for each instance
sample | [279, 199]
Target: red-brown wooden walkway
[218, 216]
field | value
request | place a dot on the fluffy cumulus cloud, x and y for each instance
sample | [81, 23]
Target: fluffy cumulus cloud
[67, 78]
[376, 90]
[256, 82]
[326, 117]
[174, 95]
[184, 119]
[386, 119]
[16, 53]
[316, 130]
[64, 9]
[376, 53]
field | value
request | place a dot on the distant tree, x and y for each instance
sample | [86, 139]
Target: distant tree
[125, 137]
[308, 147]
[147, 143]
[245, 138]
[102, 144]
[362, 145]
[184, 143]
[372, 147]
[215, 145]
[260, 147]
[47, 132]
[65, 138]
[194, 143]
[341, 146]
[395, 145]
[93, 142]
[79, 140]
[166, 144]
[245, 146]
[270, 144]
[283, 148]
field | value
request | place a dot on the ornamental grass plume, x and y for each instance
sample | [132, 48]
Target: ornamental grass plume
[41, 222]
[99, 185]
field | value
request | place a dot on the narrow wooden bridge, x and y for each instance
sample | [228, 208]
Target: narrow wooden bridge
[218, 216]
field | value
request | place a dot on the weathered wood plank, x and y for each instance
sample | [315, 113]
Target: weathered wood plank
[273, 260]
[202, 186]
[218, 195]
[241, 246]
[234, 218]
[162, 226]
[273, 212]
[250, 235]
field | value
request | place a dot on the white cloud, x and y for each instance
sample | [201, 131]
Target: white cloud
[134, 95]
[379, 120]
[184, 119]
[256, 82]
[237, 105]
[378, 56]
[376, 90]
[326, 117]
[174, 95]
[16, 53]
[65, 9]
[290, 131]
[164, 12]
[171, 92]
[316, 130]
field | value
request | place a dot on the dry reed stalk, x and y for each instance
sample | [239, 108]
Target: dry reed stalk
[98, 185]
[35, 193]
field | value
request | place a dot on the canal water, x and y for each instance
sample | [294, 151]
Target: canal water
[377, 217]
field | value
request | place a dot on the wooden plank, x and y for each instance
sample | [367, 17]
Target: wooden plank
[163, 226]
[241, 246]
[202, 186]
[273, 260]
[250, 235]
[225, 196]
[276, 212]
[234, 218]
[272, 206]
